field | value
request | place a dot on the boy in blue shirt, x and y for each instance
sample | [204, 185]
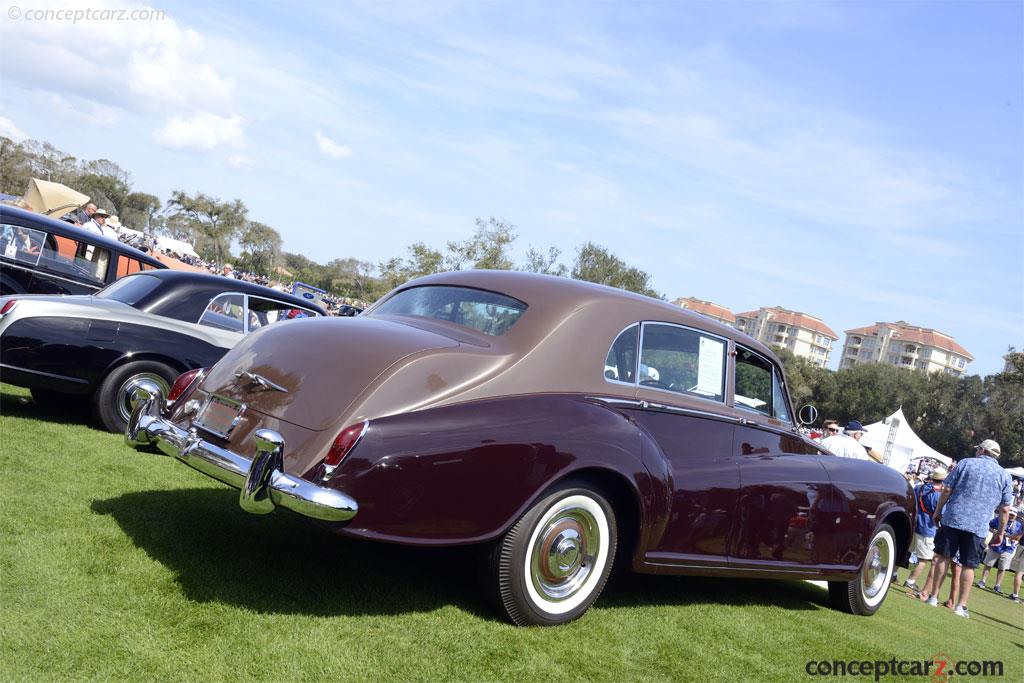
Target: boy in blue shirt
[926, 496]
[1001, 555]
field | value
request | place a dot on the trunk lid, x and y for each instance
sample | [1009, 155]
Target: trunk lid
[323, 365]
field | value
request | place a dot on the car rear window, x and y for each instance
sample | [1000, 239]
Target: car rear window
[131, 289]
[488, 312]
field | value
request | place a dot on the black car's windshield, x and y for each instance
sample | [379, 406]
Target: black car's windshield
[130, 290]
[491, 313]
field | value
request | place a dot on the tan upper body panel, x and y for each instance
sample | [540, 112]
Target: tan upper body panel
[340, 371]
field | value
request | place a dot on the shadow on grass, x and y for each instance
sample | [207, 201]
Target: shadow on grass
[283, 564]
[74, 411]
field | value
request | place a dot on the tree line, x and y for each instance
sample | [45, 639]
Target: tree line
[950, 414]
[213, 226]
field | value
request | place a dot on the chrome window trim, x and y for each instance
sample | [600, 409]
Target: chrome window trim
[214, 298]
[636, 364]
[725, 362]
[662, 407]
[775, 370]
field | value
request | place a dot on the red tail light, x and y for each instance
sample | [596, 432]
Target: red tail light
[182, 384]
[343, 445]
[8, 307]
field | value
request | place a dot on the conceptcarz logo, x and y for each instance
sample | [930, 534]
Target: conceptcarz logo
[938, 668]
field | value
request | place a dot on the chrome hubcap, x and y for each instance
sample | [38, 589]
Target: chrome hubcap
[564, 553]
[152, 383]
[876, 568]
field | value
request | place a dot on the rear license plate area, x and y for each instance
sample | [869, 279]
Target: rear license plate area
[219, 416]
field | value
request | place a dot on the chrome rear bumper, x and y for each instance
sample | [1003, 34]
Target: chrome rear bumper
[262, 480]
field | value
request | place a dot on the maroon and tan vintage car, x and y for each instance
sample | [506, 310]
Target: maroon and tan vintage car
[562, 426]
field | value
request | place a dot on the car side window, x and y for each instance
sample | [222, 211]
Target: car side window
[127, 266]
[753, 381]
[73, 257]
[620, 364]
[225, 312]
[21, 244]
[682, 360]
[263, 312]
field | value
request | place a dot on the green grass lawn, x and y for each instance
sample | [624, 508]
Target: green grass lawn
[124, 565]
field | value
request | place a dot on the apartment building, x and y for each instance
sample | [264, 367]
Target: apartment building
[804, 335]
[711, 310]
[905, 346]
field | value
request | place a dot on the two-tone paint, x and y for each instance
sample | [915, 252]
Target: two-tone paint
[467, 431]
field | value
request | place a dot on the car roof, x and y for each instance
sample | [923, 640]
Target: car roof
[554, 298]
[192, 293]
[65, 229]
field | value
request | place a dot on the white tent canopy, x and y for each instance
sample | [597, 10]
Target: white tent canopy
[894, 437]
[175, 246]
[1015, 472]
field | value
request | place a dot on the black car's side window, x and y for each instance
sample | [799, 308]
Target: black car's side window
[263, 312]
[753, 381]
[225, 312]
[620, 364]
[682, 360]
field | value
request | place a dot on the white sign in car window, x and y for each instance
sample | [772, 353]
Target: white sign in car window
[709, 367]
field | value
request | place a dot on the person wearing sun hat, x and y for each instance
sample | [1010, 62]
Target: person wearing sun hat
[974, 488]
[926, 497]
[98, 226]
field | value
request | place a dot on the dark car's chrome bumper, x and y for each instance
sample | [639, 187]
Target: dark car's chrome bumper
[263, 483]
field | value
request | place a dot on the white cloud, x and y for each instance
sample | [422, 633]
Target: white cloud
[9, 130]
[202, 131]
[332, 148]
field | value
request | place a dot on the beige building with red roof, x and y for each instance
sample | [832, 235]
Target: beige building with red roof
[802, 334]
[905, 346]
[708, 308]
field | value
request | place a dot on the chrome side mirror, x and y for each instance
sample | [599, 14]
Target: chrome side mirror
[808, 415]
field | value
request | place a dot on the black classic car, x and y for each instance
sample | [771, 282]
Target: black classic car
[145, 328]
[42, 255]
[559, 426]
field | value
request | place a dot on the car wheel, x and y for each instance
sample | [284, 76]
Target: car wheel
[111, 403]
[865, 594]
[551, 566]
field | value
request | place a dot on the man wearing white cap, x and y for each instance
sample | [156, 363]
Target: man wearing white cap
[847, 444]
[974, 488]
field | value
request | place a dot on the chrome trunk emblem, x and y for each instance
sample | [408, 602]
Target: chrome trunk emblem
[260, 380]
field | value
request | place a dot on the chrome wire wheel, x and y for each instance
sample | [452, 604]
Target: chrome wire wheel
[566, 554]
[878, 568]
[152, 382]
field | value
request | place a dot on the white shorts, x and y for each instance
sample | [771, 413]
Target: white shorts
[994, 558]
[924, 547]
[1017, 563]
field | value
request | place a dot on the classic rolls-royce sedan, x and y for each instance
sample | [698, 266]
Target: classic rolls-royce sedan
[145, 328]
[560, 426]
[42, 255]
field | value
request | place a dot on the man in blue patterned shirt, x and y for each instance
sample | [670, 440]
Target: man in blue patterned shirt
[972, 490]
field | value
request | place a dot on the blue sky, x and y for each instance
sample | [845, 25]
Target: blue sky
[858, 162]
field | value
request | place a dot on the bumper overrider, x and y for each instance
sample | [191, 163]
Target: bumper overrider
[262, 480]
